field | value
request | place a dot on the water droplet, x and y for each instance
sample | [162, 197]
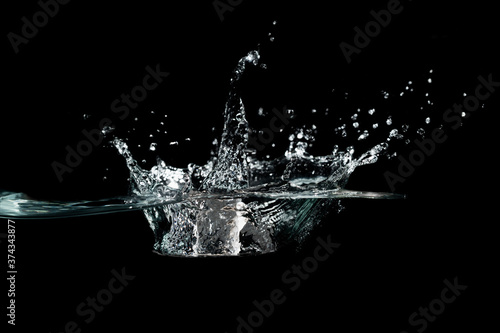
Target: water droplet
[107, 129]
[427, 120]
[274, 22]
[152, 112]
[152, 147]
[355, 125]
[313, 111]
[429, 80]
[364, 135]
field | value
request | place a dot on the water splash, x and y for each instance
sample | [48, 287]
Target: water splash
[234, 204]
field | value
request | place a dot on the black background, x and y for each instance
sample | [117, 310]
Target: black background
[394, 254]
